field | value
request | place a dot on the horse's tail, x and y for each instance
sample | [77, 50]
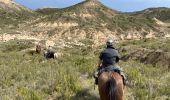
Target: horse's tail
[112, 87]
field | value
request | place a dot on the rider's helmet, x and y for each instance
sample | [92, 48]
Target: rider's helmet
[109, 42]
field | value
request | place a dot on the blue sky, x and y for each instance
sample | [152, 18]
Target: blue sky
[121, 5]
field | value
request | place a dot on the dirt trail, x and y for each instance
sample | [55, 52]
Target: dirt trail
[88, 84]
[161, 23]
[90, 90]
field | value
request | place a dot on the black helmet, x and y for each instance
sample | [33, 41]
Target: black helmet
[109, 42]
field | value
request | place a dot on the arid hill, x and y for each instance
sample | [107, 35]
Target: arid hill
[88, 20]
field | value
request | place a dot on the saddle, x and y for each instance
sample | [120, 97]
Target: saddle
[109, 68]
[112, 68]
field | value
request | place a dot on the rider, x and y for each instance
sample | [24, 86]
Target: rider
[38, 48]
[49, 51]
[109, 58]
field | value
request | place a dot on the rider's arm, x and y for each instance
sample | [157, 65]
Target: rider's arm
[117, 56]
[100, 60]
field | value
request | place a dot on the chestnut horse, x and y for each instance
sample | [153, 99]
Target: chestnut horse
[38, 49]
[110, 85]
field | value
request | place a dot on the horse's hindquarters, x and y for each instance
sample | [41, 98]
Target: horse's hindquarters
[119, 83]
[103, 79]
[110, 85]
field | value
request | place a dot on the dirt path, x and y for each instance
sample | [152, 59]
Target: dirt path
[88, 84]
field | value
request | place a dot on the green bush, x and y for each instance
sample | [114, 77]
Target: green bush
[146, 81]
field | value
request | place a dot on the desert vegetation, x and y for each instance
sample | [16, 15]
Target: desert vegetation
[32, 77]
[81, 29]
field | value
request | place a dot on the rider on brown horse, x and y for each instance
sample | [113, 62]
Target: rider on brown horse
[38, 48]
[109, 58]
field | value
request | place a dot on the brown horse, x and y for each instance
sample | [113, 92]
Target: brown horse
[110, 86]
[38, 49]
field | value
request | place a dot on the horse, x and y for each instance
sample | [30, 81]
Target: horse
[38, 49]
[110, 85]
[56, 55]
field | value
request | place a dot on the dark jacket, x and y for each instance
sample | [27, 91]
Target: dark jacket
[109, 56]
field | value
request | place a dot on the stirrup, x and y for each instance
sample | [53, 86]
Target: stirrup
[124, 80]
[95, 74]
[96, 81]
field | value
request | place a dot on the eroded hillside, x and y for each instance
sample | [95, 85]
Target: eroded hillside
[89, 19]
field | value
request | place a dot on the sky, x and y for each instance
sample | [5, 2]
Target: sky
[120, 5]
